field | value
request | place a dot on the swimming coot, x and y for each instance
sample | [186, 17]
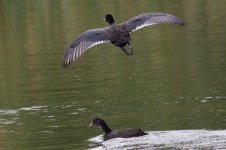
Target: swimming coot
[117, 34]
[121, 133]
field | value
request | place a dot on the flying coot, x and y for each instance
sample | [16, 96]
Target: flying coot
[121, 133]
[117, 34]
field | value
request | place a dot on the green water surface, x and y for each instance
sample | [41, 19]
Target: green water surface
[175, 81]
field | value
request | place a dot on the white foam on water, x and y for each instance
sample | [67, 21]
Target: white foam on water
[175, 139]
[33, 108]
[6, 121]
[8, 112]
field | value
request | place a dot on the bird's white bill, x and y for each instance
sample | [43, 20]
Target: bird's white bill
[91, 124]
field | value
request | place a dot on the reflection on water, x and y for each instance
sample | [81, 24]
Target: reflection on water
[176, 80]
[181, 139]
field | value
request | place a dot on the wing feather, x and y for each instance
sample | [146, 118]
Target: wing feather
[85, 41]
[149, 19]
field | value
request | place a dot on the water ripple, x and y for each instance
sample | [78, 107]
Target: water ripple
[6, 121]
[7, 112]
[32, 108]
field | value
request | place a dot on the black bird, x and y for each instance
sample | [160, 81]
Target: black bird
[117, 34]
[121, 133]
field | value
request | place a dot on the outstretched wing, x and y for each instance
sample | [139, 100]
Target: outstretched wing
[85, 41]
[148, 19]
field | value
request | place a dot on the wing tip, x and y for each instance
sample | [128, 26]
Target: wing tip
[181, 23]
[66, 62]
[177, 21]
[65, 65]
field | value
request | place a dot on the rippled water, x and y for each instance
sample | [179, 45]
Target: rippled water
[174, 86]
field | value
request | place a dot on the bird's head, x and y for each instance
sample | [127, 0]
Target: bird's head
[109, 18]
[96, 122]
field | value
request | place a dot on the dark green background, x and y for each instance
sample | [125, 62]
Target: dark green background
[177, 79]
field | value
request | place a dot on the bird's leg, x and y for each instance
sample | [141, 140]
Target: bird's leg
[124, 50]
[130, 48]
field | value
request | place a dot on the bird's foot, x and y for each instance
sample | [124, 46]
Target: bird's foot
[125, 51]
[130, 49]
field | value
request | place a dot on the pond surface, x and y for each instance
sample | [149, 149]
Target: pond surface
[176, 80]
